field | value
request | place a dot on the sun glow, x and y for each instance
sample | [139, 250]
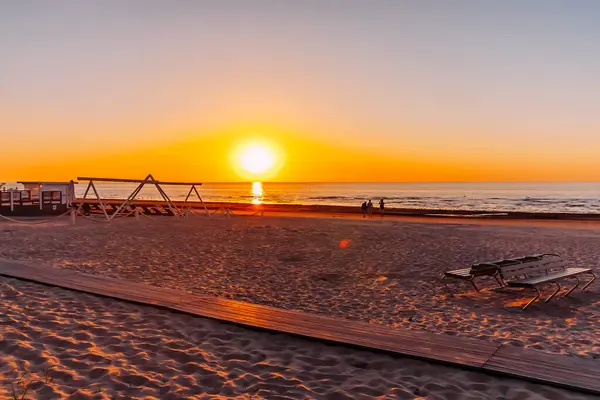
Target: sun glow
[257, 160]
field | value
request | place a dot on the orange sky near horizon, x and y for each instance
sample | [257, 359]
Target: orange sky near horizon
[387, 91]
[208, 158]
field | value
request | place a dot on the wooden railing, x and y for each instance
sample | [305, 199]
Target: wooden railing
[13, 198]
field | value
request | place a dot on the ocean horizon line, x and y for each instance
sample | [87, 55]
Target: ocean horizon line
[406, 182]
[321, 182]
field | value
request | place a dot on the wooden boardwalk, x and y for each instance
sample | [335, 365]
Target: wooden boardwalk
[557, 370]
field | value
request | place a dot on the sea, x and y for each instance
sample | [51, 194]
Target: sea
[497, 197]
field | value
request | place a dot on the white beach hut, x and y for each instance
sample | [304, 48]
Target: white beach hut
[37, 197]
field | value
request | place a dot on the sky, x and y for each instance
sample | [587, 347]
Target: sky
[340, 90]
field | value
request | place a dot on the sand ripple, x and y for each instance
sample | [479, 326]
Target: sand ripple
[385, 272]
[66, 345]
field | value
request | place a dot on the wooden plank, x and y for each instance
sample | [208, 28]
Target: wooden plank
[346, 332]
[476, 354]
[449, 349]
[440, 348]
[556, 369]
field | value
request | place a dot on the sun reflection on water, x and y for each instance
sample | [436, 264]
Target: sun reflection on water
[257, 193]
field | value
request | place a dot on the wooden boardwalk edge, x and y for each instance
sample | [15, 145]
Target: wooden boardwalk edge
[474, 354]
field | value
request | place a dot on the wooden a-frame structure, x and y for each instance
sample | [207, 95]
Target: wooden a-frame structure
[121, 209]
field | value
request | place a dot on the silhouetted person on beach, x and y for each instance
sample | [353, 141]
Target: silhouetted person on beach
[370, 208]
[381, 207]
[364, 208]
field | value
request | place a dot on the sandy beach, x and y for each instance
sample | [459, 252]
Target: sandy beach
[62, 344]
[262, 200]
[382, 272]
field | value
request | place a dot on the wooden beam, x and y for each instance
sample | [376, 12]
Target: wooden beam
[137, 181]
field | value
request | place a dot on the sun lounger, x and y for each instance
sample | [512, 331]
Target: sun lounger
[490, 268]
[476, 270]
[542, 270]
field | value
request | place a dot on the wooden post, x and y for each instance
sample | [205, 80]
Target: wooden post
[167, 200]
[137, 214]
[73, 214]
[12, 201]
[165, 197]
[80, 206]
[201, 201]
[99, 200]
[131, 196]
[189, 193]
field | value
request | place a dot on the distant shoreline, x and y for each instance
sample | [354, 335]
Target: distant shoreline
[389, 212]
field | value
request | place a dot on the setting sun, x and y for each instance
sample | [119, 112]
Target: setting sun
[257, 159]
